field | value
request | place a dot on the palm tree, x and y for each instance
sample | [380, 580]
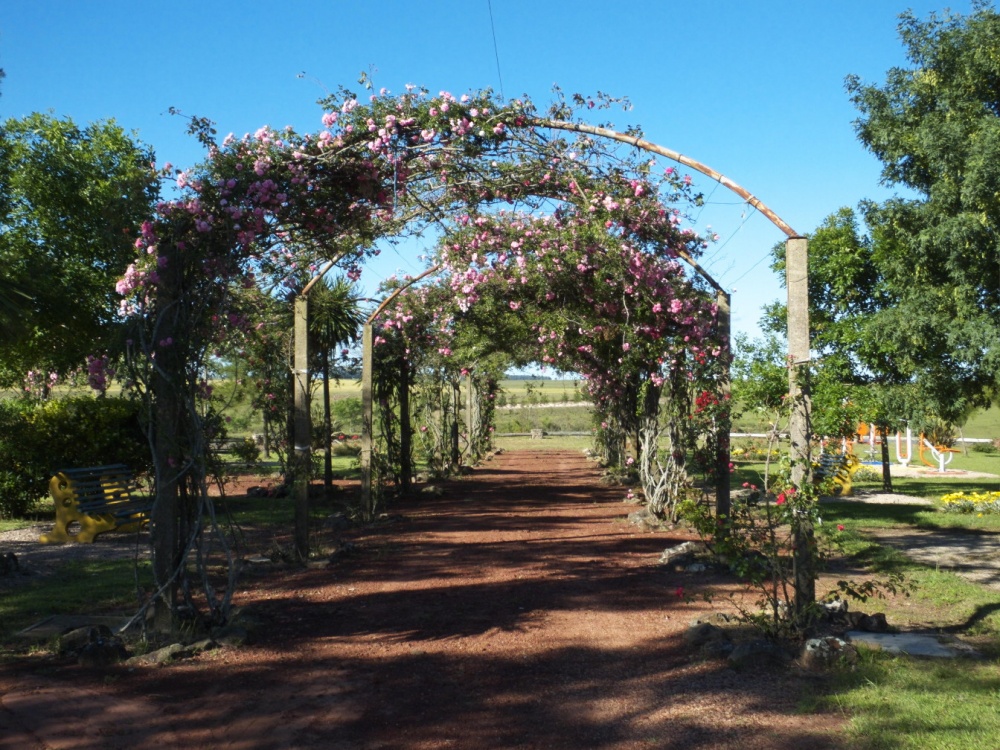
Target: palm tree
[335, 317]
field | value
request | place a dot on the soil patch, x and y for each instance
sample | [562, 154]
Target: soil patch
[516, 610]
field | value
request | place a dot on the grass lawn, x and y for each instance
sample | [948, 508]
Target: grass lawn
[904, 702]
[899, 703]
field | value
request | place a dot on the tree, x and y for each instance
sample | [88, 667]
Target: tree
[71, 202]
[935, 126]
[863, 374]
[335, 318]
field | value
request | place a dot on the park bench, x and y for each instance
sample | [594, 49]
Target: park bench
[840, 467]
[93, 500]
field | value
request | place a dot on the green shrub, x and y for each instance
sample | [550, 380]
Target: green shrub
[246, 451]
[867, 474]
[347, 413]
[39, 438]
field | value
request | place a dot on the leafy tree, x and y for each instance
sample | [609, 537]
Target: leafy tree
[759, 373]
[335, 317]
[71, 202]
[935, 126]
[869, 365]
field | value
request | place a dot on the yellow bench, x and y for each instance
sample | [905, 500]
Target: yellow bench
[93, 500]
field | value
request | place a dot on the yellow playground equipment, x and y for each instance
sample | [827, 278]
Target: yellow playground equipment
[839, 466]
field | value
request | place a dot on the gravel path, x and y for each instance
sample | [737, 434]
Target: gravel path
[972, 554]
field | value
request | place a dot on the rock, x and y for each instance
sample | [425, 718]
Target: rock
[758, 653]
[875, 623]
[716, 649]
[338, 522]
[160, 655]
[232, 636]
[703, 632]
[711, 641]
[432, 490]
[820, 654]
[344, 549]
[205, 644]
[678, 554]
[93, 646]
[834, 608]
[102, 652]
[853, 620]
[716, 618]
[643, 519]
[74, 641]
[9, 564]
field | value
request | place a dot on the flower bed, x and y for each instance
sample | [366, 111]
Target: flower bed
[971, 502]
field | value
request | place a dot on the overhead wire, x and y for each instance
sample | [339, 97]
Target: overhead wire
[496, 52]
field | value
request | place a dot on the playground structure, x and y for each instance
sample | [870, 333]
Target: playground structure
[842, 464]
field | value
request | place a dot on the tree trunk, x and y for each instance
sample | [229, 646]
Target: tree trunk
[165, 517]
[883, 431]
[405, 451]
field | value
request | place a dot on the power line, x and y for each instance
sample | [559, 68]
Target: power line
[744, 218]
[496, 53]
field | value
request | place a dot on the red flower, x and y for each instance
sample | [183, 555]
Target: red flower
[680, 592]
[840, 527]
[781, 498]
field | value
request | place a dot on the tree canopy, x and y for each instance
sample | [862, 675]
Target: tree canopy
[71, 203]
[935, 126]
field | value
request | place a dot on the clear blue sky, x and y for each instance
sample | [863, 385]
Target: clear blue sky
[754, 90]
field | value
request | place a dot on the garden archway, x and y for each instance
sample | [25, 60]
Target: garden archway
[373, 171]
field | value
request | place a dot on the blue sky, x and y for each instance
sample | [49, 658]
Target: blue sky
[754, 90]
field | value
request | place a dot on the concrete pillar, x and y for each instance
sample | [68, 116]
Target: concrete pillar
[302, 461]
[804, 542]
[367, 354]
[722, 456]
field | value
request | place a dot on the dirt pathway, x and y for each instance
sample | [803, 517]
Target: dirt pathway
[972, 554]
[518, 610]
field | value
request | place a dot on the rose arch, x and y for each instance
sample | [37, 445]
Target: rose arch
[263, 212]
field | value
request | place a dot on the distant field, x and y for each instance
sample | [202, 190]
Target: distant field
[529, 393]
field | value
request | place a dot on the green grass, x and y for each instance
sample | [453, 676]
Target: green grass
[106, 586]
[983, 423]
[91, 587]
[898, 703]
[562, 419]
[12, 524]
[549, 442]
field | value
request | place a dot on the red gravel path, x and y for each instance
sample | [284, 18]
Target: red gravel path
[518, 610]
